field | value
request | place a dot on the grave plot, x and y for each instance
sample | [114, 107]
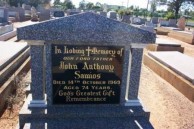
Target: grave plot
[14, 60]
[166, 30]
[183, 36]
[163, 44]
[176, 68]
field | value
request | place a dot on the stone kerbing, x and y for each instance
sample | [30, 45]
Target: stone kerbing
[181, 84]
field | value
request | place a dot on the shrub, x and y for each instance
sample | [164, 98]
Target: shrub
[170, 15]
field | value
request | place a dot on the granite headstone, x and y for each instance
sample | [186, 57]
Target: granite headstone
[85, 74]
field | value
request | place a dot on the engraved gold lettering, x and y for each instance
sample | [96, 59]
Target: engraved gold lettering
[101, 87]
[57, 50]
[94, 82]
[95, 50]
[108, 93]
[81, 99]
[90, 93]
[67, 66]
[71, 88]
[55, 82]
[79, 75]
[97, 66]
[73, 51]
[68, 93]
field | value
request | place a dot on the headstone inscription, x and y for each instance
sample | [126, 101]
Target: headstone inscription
[89, 74]
[89, 70]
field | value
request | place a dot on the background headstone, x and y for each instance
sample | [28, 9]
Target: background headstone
[34, 15]
[72, 11]
[58, 14]
[112, 15]
[26, 7]
[136, 20]
[3, 16]
[163, 22]
[103, 13]
[154, 20]
[17, 12]
[147, 28]
[21, 14]
[44, 15]
[181, 23]
[172, 23]
[126, 19]
[149, 24]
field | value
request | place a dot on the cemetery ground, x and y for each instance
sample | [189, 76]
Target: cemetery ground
[169, 109]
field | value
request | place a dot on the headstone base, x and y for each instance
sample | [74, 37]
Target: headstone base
[37, 103]
[133, 103]
[84, 117]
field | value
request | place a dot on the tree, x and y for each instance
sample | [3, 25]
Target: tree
[35, 3]
[82, 5]
[99, 4]
[153, 5]
[131, 7]
[143, 12]
[57, 2]
[175, 5]
[3, 2]
[170, 15]
[15, 2]
[97, 8]
[136, 11]
[89, 5]
[67, 4]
